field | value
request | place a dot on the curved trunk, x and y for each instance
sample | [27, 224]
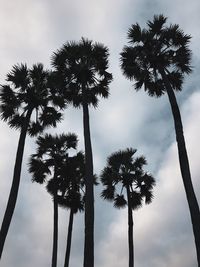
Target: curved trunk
[130, 231]
[69, 238]
[15, 184]
[55, 232]
[89, 195]
[184, 165]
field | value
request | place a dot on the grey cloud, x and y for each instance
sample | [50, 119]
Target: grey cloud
[31, 31]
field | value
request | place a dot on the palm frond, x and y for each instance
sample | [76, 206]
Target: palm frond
[148, 197]
[39, 170]
[120, 202]
[50, 117]
[135, 200]
[18, 76]
[35, 128]
[108, 193]
[135, 33]
[157, 24]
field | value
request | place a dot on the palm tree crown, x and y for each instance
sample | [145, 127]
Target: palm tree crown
[70, 185]
[123, 172]
[63, 174]
[28, 90]
[154, 50]
[51, 155]
[82, 67]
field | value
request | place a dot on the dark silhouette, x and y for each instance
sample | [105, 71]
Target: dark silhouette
[51, 164]
[125, 173]
[72, 189]
[82, 71]
[26, 91]
[157, 58]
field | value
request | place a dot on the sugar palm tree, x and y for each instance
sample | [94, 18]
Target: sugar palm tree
[157, 58]
[72, 188]
[82, 68]
[47, 165]
[26, 103]
[127, 184]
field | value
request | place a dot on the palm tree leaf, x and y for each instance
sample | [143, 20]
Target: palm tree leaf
[39, 170]
[157, 24]
[35, 128]
[19, 76]
[50, 117]
[139, 162]
[148, 197]
[135, 200]
[16, 121]
[135, 33]
[120, 202]
[108, 193]
[52, 186]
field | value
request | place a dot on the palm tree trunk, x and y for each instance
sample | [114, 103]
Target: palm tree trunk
[89, 195]
[15, 183]
[55, 232]
[69, 238]
[184, 166]
[130, 231]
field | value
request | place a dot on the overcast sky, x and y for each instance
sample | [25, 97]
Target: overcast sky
[30, 31]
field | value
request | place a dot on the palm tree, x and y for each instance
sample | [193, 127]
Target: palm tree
[157, 58]
[82, 68]
[48, 164]
[125, 173]
[26, 92]
[72, 188]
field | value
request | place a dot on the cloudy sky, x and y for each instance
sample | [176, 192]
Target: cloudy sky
[30, 30]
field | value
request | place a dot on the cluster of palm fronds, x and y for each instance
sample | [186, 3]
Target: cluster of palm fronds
[33, 100]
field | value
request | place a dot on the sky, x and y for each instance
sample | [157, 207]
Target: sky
[30, 31]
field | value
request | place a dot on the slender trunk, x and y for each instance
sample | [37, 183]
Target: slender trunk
[130, 231]
[89, 195]
[15, 184]
[184, 166]
[69, 238]
[55, 232]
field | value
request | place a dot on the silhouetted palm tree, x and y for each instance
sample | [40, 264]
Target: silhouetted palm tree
[82, 67]
[125, 173]
[72, 188]
[157, 58]
[26, 91]
[47, 165]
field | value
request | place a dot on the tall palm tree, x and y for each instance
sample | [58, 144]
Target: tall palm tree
[72, 188]
[27, 104]
[127, 184]
[157, 58]
[51, 164]
[82, 68]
